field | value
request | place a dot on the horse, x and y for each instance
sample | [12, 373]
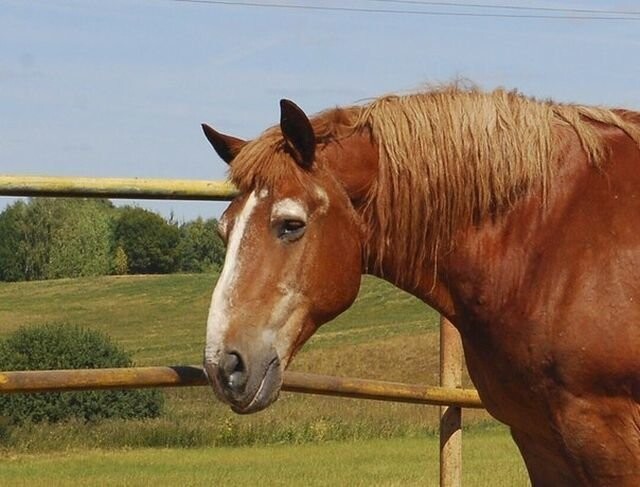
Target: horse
[517, 219]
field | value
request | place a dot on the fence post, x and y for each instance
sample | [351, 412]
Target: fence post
[450, 416]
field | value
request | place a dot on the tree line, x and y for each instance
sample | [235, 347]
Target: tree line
[50, 238]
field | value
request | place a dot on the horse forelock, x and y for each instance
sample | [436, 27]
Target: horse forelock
[264, 161]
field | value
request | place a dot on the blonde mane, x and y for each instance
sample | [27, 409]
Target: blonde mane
[449, 157]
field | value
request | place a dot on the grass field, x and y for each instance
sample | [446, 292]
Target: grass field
[489, 460]
[160, 320]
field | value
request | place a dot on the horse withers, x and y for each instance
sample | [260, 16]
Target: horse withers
[518, 220]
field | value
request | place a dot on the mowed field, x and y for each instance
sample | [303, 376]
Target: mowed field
[488, 461]
[160, 320]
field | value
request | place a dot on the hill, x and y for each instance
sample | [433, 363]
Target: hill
[161, 319]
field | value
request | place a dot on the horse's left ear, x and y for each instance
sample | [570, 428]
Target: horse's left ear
[298, 133]
[226, 146]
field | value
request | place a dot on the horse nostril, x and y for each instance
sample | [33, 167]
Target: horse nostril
[232, 363]
[233, 372]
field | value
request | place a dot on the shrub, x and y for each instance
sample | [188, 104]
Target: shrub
[70, 347]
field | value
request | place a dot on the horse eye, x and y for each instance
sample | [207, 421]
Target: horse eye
[291, 230]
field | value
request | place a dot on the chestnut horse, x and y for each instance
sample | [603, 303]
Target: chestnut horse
[518, 220]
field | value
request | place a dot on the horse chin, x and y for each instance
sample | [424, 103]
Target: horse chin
[265, 394]
[262, 390]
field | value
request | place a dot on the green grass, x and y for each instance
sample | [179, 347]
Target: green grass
[488, 454]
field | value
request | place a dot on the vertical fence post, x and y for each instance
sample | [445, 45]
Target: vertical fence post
[450, 416]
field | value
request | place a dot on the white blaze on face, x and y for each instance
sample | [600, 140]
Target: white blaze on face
[289, 209]
[218, 320]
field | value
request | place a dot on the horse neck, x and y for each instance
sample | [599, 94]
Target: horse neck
[457, 278]
[472, 278]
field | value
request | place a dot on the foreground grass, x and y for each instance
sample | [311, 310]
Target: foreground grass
[490, 458]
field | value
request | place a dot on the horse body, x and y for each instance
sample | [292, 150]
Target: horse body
[544, 285]
[550, 321]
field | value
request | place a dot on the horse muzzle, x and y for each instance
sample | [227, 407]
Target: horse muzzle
[248, 383]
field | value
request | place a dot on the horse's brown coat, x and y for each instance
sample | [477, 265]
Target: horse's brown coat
[544, 286]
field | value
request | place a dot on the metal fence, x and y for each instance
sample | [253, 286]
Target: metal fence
[449, 395]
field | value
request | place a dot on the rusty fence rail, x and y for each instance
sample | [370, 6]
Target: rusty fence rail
[186, 376]
[451, 397]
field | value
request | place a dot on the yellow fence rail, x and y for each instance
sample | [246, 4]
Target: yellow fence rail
[134, 188]
[186, 376]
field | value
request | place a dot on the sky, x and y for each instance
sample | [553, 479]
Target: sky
[119, 88]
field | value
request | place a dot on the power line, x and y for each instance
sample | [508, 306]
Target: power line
[510, 7]
[291, 6]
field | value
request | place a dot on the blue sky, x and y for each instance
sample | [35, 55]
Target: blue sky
[119, 88]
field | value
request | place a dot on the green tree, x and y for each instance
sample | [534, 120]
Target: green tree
[25, 233]
[200, 248]
[148, 240]
[13, 249]
[121, 262]
[41, 217]
[81, 241]
[50, 238]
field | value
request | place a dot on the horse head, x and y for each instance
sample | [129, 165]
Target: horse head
[294, 255]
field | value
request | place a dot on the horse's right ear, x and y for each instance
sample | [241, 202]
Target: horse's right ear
[226, 146]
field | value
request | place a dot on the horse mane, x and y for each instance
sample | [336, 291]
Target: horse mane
[448, 157]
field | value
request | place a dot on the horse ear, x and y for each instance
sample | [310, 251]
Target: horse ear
[226, 146]
[298, 133]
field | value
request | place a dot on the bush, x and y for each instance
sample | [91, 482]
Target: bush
[70, 347]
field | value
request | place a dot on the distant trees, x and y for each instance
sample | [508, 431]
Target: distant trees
[51, 238]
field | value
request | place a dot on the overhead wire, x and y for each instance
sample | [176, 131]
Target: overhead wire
[509, 7]
[630, 16]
